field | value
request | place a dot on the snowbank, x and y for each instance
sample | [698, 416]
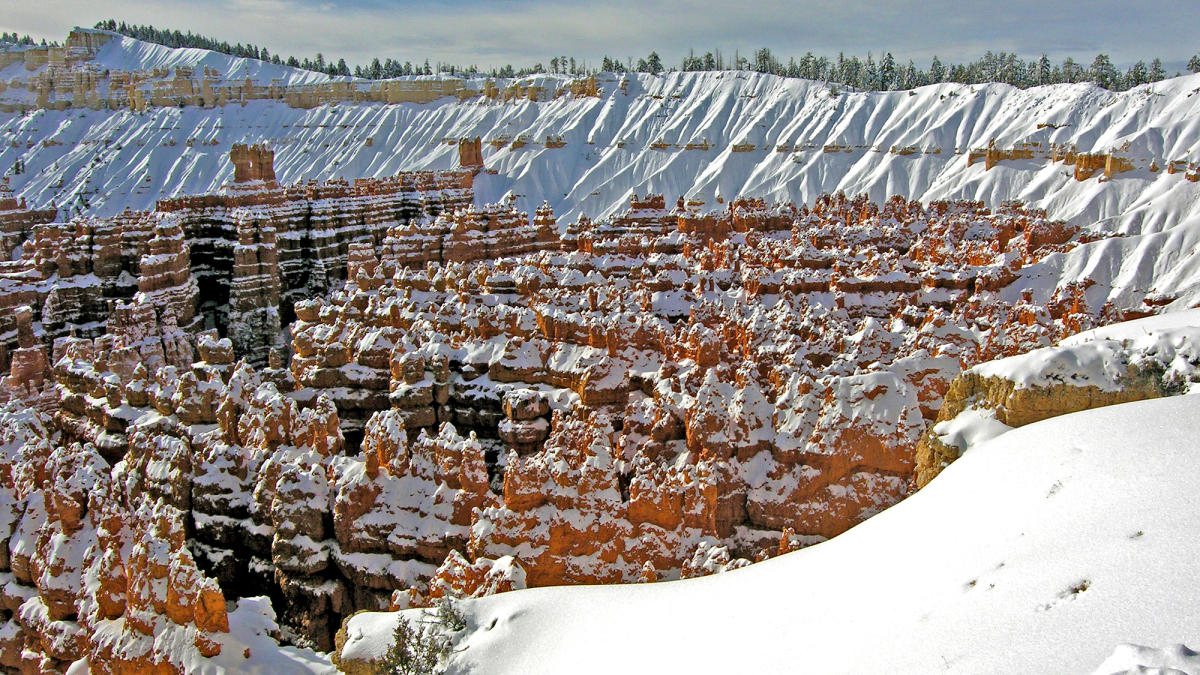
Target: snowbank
[1038, 551]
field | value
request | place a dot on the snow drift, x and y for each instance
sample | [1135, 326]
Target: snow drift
[1038, 551]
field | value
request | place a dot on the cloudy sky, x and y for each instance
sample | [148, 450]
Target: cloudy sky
[523, 32]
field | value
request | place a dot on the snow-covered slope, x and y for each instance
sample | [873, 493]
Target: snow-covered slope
[608, 151]
[1039, 551]
[124, 53]
[765, 136]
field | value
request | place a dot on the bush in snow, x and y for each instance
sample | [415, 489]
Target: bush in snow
[416, 649]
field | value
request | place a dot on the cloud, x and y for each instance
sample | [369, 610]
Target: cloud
[523, 32]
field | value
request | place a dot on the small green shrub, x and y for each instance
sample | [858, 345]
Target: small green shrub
[416, 650]
[449, 617]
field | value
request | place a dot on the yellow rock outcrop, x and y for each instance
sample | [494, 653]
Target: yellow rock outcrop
[1017, 406]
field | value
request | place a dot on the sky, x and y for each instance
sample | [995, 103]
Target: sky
[523, 32]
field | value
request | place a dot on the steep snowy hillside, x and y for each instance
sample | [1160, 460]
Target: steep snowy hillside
[1039, 551]
[609, 153]
[706, 137]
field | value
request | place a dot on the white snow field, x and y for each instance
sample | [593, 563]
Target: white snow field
[1102, 357]
[1044, 550]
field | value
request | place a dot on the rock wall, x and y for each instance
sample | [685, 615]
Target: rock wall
[470, 153]
[252, 163]
[96, 560]
[70, 274]
[1084, 372]
[1086, 165]
[254, 294]
[314, 226]
[17, 221]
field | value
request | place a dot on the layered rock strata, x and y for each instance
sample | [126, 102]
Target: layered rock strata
[67, 76]
[238, 260]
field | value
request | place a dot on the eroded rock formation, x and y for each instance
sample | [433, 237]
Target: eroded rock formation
[237, 260]
[481, 404]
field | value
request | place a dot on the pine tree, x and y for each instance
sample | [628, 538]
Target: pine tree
[1194, 64]
[937, 72]
[869, 76]
[1044, 70]
[1009, 69]
[1102, 71]
[654, 63]
[887, 71]
[762, 60]
[808, 66]
[1071, 71]
[1137, 74]
[1156, 70]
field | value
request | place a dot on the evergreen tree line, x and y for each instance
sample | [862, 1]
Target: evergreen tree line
[889, 74]
[22, 40]
[886, 73]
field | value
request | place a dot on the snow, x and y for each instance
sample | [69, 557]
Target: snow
[109, 155]
[1138, 660]
[368, 634]
[1151, 325]
[1103, 357]
[125, 53]
[970, 427]
[1039, 551]
[250, 646]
